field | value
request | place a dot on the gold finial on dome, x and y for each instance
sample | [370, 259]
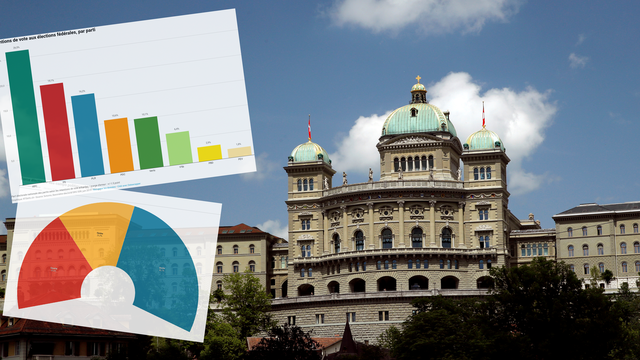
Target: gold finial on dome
[418, 78]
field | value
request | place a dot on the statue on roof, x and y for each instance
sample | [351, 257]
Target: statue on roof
[326, 183]
[344, 178]
[370, 175]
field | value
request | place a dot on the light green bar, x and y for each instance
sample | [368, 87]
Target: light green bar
[179, 147]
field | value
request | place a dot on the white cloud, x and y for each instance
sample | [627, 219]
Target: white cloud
[264, 166]
[581, 39]
[274, 227]
[4, 184]
[428, 16]
[519, 118]
[577, 61]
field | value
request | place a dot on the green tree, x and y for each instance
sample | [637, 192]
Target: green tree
[246, 304]
[287, 342]
[222, 341]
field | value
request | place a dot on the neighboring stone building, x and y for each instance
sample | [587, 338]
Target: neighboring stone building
[605, 236]
[531, 241]
[364, 251]
[243, 247]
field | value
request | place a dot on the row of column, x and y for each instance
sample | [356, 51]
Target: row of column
[432, 224]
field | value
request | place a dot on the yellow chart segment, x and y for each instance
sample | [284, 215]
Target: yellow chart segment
[241, 151]
[209, 153]
[99, 231]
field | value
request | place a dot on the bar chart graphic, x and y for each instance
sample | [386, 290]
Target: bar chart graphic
[124, 105]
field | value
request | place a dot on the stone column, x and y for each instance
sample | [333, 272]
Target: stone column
[345, 229]
[401, 222]
[432, 222]
[461, 243]
[325, 232]
[371, 237]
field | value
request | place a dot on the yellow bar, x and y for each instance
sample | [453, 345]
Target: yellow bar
[208, 153]
[241, 151]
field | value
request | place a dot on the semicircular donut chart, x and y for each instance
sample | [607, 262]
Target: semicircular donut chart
[112, 234]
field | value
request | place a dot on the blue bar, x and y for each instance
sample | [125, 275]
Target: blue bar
[85, 117]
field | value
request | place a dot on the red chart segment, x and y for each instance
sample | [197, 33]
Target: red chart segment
[53, 268]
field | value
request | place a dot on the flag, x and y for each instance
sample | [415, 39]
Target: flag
[309, 127]
[482, 118]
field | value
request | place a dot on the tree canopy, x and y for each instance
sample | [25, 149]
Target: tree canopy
[287, 342]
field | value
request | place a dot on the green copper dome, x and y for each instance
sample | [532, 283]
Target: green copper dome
[416, 118]
[309, 151]
[484, 140]
[419, 87]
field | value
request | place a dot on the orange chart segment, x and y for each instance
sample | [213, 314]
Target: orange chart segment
[53, 268]
[99, 231]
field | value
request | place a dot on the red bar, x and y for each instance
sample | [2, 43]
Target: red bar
[57, 129]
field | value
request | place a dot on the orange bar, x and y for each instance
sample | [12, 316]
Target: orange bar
[118, 145]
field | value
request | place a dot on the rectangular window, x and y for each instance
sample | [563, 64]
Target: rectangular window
[528, 249]
[383, 315]
[523, 251]
[351, 317]
[319, 318]
[17, 347]
[95, 348]
[291, 320]
[546, 249]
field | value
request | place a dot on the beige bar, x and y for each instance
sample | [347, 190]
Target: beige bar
[241, 151]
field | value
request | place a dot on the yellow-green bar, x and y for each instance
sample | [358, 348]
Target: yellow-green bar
[179, 148]
[241, 151]
[208, 153]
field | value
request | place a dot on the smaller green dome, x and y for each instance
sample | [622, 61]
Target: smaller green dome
[483, 140]
[418, 87]
[309, 151]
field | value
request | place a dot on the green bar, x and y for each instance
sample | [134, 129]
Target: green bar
[148, 139]
[25, 117]
[179, 147]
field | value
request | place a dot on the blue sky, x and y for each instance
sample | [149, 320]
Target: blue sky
[560, 81]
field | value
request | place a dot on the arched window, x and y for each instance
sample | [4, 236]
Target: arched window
[379, 265]
[174, 287]
[310, 272]
[299, 185]
[523, 250]
[410, 264]
[485, 242]
[387, 239]
[622, 229]
[409, 164]
[585, 250]
[4, 275]
[199, 251]
[252, 266]
[174, 269]
[199, 269]
[623, 248]
[308, 250]
[600, 249]
[584, 231]
[441, 264]
[4, 258]
[481, 173]
[570, 250]
[601, 267]
[394, 264]
[488, 172]
[359, 240]
[364, 266]
[403, 164]
[637, 266]
[174, 251]
[236, 266]
[475, 174]
[456, 264]
[599, 230]
[430, 162]
[417, 163]
[418, 264]
[446, 238]
[416, 238]
[219, 250]
[235, 249]
[358, 266]
[311, 184]
[423, 160]
[252, 249]
[336, 243]
[624, 266]
[396, 165]
[219, 284]
[481, 264]
[488, 264]
[635, 228]
[636, 247]
[386, 264]
[448, 264]
[302, 252]
[573, 268]
[304, 185]
[302, 271]
[569, 232]
[586, 269]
